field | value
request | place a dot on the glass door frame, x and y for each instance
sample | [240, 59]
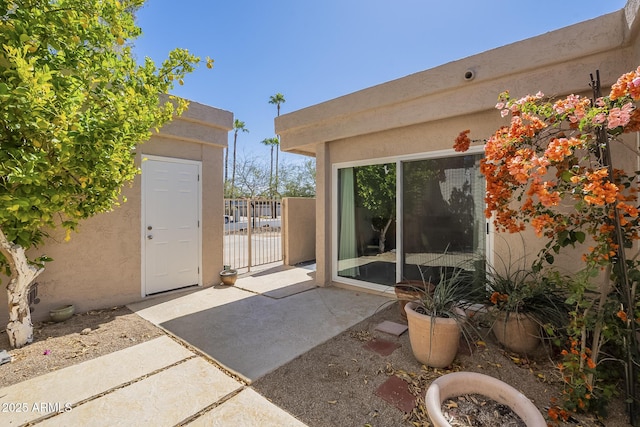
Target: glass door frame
[398, 160]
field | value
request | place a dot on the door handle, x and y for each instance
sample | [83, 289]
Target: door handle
[150, 237]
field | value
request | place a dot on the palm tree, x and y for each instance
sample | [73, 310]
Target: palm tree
[237, 126]
[271, 142]
[277, 99]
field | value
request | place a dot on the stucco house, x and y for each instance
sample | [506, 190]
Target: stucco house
[405, 129]
[168, 235]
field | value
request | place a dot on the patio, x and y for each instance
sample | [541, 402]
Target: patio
[266, 320]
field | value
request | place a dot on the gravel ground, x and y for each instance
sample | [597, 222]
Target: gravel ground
[57, 345]
[333, 384]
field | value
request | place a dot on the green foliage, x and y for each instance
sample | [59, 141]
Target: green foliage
[299, 180]
[73, 106]
[377, 189]
[277, 100]
[513, 289]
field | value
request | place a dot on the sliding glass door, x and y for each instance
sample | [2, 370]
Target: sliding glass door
[409, 220]
[366, 223]
[443, 222]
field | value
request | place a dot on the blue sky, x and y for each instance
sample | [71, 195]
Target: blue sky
[313, 51]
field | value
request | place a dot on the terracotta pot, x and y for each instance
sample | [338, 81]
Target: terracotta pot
[63, 313]
[228, 277]
[436, 344]
[407, 291]
[517, 332]
[461, 383]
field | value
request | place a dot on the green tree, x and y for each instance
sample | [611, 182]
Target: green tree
[271, 142]
[237, 126]
[277, 99]
[299, 180]
[377, 192]
[73, 106]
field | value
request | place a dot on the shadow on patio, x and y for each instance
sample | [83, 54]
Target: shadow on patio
[266, 320]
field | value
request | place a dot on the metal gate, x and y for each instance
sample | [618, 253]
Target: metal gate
[252, 232]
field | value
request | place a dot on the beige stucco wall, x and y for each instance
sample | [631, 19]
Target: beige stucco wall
[298, 230]
[101, 265]
[425, 111]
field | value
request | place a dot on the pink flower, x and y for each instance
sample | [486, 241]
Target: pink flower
[46, 352]
[504, 113]
[599, 118]
[620, 116]
[499, 105]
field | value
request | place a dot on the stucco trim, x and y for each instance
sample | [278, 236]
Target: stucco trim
[198, 124]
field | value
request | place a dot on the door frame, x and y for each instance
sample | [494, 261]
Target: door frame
[143, 231]
[398, 160]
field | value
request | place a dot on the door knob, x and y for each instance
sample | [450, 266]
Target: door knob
[149, 228]
[149, 237]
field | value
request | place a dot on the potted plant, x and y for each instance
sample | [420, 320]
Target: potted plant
[463, 383]
[410, 290]
[62, 313]
[522, 305]
[437, 319]
[228, 276]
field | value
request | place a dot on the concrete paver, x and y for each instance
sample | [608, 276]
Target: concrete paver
[247, 409]
[76, 383]
[163, 399]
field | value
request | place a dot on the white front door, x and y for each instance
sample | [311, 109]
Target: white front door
[171, 224]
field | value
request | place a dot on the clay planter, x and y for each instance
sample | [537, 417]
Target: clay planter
[228, 277]
[461, 383]
[63, 313]
[518, 332]
[407, 291]
[436, 344]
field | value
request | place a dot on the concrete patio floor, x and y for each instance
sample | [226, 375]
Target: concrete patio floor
[266, 320]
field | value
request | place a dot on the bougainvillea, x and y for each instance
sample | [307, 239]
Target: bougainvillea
[549, 156]
[550, 168]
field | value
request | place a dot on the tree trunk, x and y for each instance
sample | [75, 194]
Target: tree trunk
[19, 329]
[382, 239]
[233, 170]
[271, 175]
[226, 165]
[277, 151]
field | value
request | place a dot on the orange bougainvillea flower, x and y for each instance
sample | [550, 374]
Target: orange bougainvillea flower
[632, 211]
[622, 315]
[540, 222]
[494, 297]
[634, 122]
[462, 141]
[497, 297]
[558, 149]
[627, 84]
[548, 198]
